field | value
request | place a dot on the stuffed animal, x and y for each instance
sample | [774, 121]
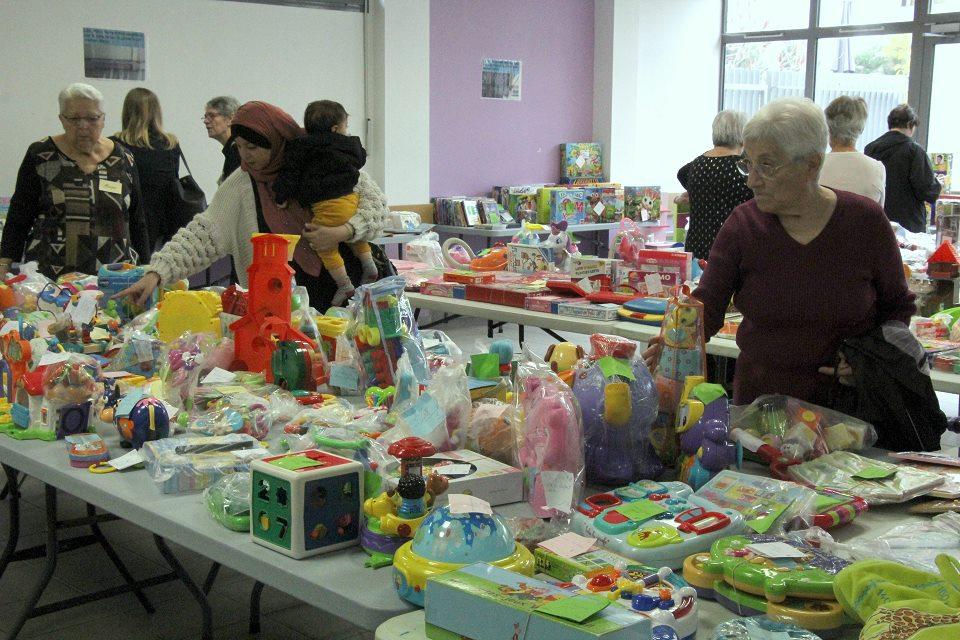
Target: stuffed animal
[562, 358]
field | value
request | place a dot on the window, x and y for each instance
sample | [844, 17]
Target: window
[881, 50]
[876, 68]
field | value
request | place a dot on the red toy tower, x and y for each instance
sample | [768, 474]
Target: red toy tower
[267, 319]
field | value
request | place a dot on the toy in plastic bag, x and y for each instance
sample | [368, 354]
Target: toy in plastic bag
[425, 248]
[618, 401]
[383, 329]
[758, 627]
[70, 388]
[235, 413]
[189, 357]
[228, 500]
[138, 353]
[628, 242]
[27, 286]
[682, 354]
[801, 430]
[191, 464]
[550, 447]
[449, 388]
[492, 431]
[767, 505]
[875, 481]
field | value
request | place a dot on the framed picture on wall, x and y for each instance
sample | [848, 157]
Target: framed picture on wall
[501, 79]
[116, 55]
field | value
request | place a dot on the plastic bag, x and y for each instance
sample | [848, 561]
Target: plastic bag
[425, 248]
[189, 357]
[877, 482]
[382, 329]
[618, 401]
[550, 447]
[491, 431]
[767, 505]
[449, 388]
[191, 464]
[27, 286]
[234, 413]
[71, 390]
[138, 353]
[628, 242]
[228, 501]
[801, 430]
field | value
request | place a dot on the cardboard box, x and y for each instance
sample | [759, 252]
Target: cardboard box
[580, 160]
[508, 295]
[463, 276]
[442, 289]
[641, 203]
[564, 569]
[528, 258]
[602, 312]
[587, 266]
[567, 204]
[550, 303]
[483, 602]
[488, 479]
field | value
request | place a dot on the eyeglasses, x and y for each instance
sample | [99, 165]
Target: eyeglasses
[209, 116]
[76, 121]
[762, 169]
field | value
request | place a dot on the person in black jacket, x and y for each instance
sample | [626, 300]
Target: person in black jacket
[157, 155]
[320, 171]
[910, 178]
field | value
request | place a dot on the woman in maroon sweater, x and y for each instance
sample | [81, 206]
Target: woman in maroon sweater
[806, 265]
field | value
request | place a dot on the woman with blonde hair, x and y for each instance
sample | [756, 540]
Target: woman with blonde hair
[157, 155]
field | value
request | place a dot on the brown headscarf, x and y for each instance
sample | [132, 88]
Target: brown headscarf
[278, 127]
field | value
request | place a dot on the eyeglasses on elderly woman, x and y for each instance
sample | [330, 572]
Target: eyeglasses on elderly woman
[76, 121]
[761, 169]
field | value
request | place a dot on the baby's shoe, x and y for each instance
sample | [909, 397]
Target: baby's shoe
[344, 292]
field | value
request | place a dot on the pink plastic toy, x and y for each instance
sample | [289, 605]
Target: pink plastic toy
[628, 242]
[552, 442]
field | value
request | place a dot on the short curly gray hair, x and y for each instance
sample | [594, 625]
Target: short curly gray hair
[82, 91]
[796, 125]
[224, 105]
[846, 117]
[728, 128]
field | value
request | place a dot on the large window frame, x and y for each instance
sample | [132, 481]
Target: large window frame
[926, 30]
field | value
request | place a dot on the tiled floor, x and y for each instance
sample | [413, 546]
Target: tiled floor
[284, 617]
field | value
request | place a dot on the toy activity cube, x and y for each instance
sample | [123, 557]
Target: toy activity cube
[305, 503]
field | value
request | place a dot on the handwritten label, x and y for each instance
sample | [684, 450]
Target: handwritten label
[558, 489]
[84, 310]
[218, 376]
[569, 545]
[462, 503]
[874, 473]
[453, 469]
[611, 367]
[345, 377]
[598, 208]
[425, 417]
[640, 510]
[127, 460]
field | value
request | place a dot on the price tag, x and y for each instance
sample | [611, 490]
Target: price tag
[569, 545]
[84, 310]
[588, 285]
[644, 215]
[127, 460]
[874, 473]
[143, 350]
[557, 489]
[654, 286]
[345, 377]
[218, 376]
[50, 358]
[776, 550]
[462, 503]
[171, 410]
[599, 208]
[425, 417]
[580, 161]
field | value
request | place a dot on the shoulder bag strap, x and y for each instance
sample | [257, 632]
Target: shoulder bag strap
[185, 163]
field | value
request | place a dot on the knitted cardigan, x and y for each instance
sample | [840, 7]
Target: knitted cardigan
[227, 224]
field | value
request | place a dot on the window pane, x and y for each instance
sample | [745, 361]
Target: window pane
[837, 13]
[944, 6]
[767, 15]
[877, 68]
[758, 72]
[943, 138]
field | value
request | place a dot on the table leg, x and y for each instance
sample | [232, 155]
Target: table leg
[31, 602]
[255, 607]
[520, 331]
[489, 328]
[198, 595]
[13, 534]
[117, 562]
[211, 577]
[400, 251]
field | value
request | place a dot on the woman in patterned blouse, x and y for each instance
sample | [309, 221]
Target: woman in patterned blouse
[713, 184]
[76, 205]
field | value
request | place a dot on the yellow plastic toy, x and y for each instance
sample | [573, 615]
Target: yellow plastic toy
[196, 311]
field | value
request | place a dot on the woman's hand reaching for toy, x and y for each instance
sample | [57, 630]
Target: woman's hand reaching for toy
[141, 290]
[652, 353]
[842, 371]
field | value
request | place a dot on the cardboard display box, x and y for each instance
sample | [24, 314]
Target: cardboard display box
[603, 312]
[493, 481]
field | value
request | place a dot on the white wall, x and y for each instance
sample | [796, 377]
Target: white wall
[656, 83]
[195, 49]
[398, 96]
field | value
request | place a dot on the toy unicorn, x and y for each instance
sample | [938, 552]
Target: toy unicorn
[562, 245]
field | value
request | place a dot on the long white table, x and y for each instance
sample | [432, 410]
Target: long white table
[719, 345]
[337, 582]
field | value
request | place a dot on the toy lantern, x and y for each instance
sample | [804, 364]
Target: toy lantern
[411, 487]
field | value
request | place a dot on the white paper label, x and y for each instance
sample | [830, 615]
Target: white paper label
[568, 545]
[558, 489]
[116, 374]
[250, 454]
[644, 215]
[218, 376]
[143, 350]
[587, 285]
[581, 161]
[53, 358]
[599, 208]
[126, 460]
[171, 410]
[776, 550]
[652, 280]
[462, 503]
[84, 310]
[453, 469]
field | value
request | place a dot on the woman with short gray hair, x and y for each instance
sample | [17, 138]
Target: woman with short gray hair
[807, 266]
[217, 117]
[714, 186]
[77, 204]
[844, 167]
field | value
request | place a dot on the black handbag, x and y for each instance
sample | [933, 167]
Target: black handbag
[191, 198]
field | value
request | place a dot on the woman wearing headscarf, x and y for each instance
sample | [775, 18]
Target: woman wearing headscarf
[244, 205]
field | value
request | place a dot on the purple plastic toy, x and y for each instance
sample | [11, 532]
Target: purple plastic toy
[705, 446]
[617, 415]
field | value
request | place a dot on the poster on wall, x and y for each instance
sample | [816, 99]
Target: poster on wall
[117, 55]
[501, 79]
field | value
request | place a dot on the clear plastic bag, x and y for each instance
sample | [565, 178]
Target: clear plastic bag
[618, 401]
[188, 358]
[837, 470]
[767, 505]
[550, 447]
[27, 286]
[190, 464]
[492, 431]
[234, 413]
[801, 430]
[138, 353]
[228, 501]
[382, 329]
[425, 248]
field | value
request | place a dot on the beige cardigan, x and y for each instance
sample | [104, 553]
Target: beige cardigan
[227, 224]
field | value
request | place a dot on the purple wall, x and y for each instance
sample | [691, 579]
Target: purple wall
[476, 143]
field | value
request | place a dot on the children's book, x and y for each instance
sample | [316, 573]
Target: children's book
[641, 203]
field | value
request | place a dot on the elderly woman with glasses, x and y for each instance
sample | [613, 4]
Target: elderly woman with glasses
[806, 265]
[76, 205]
